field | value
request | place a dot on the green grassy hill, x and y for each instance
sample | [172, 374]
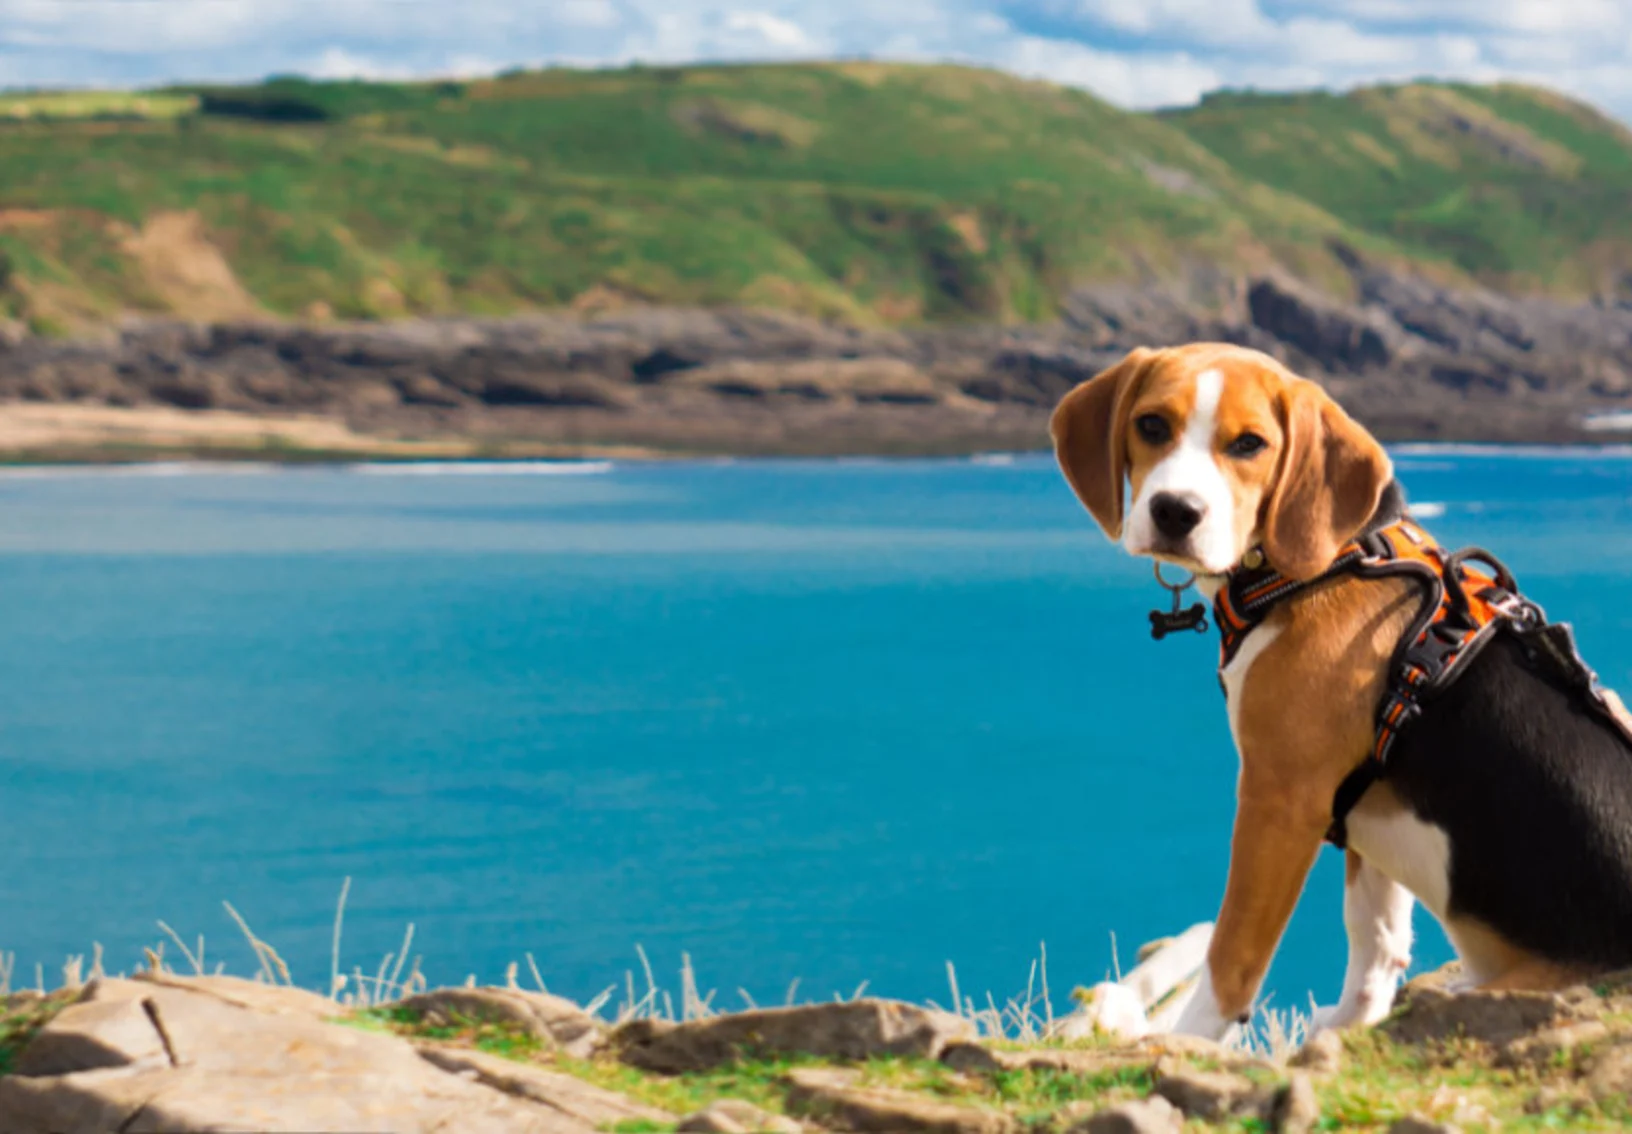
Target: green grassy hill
[875, 193]
[1516, 185]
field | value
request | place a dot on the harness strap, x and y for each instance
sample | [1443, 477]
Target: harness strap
[1354, 785]
[1461, 609]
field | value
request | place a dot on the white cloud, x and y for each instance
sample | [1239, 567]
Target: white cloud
[338, 63]
[1543, 16]
[1207, 21]
[1134, 52]
[1125, 79]
[774, 30]
[587, 13]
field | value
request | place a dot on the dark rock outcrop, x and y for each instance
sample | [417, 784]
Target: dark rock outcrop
[1411, 359]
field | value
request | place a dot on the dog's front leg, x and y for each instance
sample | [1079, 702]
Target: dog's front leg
[1277, 836]
[1377, 914]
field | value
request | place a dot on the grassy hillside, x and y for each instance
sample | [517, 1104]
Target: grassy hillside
[876, 193]
[1519, 186]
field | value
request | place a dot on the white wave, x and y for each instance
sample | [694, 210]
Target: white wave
[1427, 510]
[1614, 421]
[1532, 452]
[142, 469]
[480, 468]
[996, 460]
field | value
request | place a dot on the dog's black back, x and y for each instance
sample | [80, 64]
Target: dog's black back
[1534, 791]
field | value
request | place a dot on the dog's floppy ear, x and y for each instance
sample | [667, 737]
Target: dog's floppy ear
[1090, 428]
[1332, 476]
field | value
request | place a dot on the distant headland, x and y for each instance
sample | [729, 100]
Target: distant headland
[802, 259]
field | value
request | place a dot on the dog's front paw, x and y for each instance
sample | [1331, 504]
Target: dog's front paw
[1364, 1010]
[1331, 1017]
[1202, 1017]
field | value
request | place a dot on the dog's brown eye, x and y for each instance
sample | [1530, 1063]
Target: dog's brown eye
[1245, 445]
[1153, 428]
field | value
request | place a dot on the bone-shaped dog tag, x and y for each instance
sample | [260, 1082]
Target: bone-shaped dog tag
[1165, 622]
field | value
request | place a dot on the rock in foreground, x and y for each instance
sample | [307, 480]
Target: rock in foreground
[140, 1058]
[188, 1055]
[858, 1029]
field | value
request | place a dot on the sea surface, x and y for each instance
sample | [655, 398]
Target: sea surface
[839, 722]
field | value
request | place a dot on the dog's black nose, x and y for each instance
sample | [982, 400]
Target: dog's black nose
[1176, 516]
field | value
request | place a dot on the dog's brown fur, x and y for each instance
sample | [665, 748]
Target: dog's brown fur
[1305, 712]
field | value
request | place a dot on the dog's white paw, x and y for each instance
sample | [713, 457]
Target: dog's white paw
[1365, 1010]
[1330, 1017]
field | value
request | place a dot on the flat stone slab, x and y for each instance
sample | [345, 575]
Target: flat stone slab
[254, 994]
[571, 1096]
[1432, 1012]
[834, 1100]
[1154, 1115]
[171, 1057]
[854, 1030]
[733, 1116]
[553, 1020]
[1211, 1095]
[980, 1058]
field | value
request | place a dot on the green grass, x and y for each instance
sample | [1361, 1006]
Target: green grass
[66, 105]
[20, 1019]
[1515, 185]
[1380, 1080]
[496, 1037]
[1383, 1081]
[876, 193]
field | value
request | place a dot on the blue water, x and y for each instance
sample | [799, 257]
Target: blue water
[843, 722]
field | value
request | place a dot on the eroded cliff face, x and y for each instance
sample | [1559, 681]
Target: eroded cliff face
[1410, 359]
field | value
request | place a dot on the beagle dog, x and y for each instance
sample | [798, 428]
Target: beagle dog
[1506, 810]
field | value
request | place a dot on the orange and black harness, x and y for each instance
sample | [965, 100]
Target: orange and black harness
[1468, 597]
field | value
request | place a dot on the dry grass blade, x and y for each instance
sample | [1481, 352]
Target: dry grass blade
[193, 959]
[402, 956]
[600, 1001]
[271, 965]
[1048, 1004]
[692, 1005]
[334, 952]
[1275, 1034]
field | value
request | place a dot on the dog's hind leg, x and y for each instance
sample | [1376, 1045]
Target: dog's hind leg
[1377, 915]
[1492, 963]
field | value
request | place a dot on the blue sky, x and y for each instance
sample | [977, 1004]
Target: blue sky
[1137, 53]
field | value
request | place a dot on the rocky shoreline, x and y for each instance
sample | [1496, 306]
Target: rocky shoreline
[162, 1052]
[1413, 360]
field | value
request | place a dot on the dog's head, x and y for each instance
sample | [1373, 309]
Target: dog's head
[1224, 450]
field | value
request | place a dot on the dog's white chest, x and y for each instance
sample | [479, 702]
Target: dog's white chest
[1234, 674]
